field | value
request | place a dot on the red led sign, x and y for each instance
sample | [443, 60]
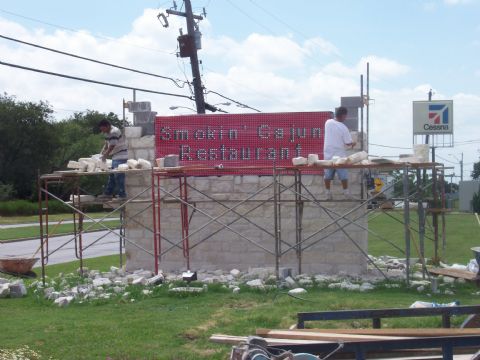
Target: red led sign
[263, 139]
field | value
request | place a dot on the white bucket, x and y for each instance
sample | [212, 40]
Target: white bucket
[422, 152]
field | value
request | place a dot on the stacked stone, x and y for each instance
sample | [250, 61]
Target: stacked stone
[227, 249]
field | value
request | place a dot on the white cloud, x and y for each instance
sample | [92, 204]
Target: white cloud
[457, 2]
[267, 72]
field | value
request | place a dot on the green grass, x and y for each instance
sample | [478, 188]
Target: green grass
[34, 232]
[173, 327]
[11, 220]
[462, 233]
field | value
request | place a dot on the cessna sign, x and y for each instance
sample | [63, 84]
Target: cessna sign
[433, 117]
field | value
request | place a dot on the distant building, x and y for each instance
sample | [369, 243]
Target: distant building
[467, 189]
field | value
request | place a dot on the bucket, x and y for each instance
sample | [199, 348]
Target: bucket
[476, 252]
[422, 152]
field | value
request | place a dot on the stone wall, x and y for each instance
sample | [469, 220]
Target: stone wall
[226, 249]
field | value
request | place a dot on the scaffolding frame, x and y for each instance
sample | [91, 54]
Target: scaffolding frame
[298, 189]
[302, 195]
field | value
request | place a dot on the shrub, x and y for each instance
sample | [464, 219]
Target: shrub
[7, 191]
[476, 202]
[27, 208]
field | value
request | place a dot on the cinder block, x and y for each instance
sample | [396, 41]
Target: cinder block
[133, 132]
[250, 179]
[222, 187]
[142, 154]
[144, 142]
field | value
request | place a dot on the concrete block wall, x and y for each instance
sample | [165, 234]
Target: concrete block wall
[225, 249]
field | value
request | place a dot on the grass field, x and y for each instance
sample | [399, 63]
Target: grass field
[34, 232]
[462, 233]
[165, 326]
[11, 220]
[174, 327]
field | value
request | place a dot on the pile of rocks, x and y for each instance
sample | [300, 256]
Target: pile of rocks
[12, 289]
[96, 285]
[117, 283]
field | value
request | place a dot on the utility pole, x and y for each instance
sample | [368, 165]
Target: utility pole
[197, 81]
[461, 168]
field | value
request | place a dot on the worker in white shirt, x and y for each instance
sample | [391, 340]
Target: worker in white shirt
[337, 140]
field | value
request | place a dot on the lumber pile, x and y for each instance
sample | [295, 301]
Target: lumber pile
[279, 337]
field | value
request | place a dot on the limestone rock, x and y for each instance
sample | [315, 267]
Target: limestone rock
[290, 282]
[63, 301]
[297, 291]
[4, 290]
[186, 289]
[235, 273]
[18, 289]
[366, 287]
[139, 281]
[255, 283]
[157, 279]
[101, 282]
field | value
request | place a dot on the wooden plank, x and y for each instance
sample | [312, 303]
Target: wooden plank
[235, 340]
[455, 273]
[311, 335]
[423, 332]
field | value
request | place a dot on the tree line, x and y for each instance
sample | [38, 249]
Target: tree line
[32, 141]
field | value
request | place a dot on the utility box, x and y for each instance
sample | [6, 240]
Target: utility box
[186, 44]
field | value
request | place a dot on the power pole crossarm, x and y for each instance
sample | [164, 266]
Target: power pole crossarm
[179, 13]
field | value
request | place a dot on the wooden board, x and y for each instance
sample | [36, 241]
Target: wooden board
[235, 340]
[455, 273]
[423, 332]
[328, 336]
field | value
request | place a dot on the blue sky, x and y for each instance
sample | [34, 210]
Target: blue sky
[439, 40]
[275, 55]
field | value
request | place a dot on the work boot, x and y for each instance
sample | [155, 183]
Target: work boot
[329, 196]
[347, 195]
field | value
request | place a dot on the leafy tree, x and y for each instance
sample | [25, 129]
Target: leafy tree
[476, 170]
[79, 136]
[476, 202]
[28, 143]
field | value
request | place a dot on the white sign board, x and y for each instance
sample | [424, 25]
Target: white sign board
[433, 117]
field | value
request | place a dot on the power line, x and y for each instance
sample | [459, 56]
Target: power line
[272, 15]
[175, 81]
[250, 17]
[235, 101]
[391, 147]
[81, 32]
[93, 81]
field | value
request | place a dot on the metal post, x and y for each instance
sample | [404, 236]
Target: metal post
[421, 220]
[406, 220]
[368, 103]
[442, 189]
[40, 220]
[298, 217]
[436, 205]
[122, 234]
[276, 227]
[155, 204]
[134, 100]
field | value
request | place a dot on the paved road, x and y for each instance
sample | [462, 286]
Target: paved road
[106, 246]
